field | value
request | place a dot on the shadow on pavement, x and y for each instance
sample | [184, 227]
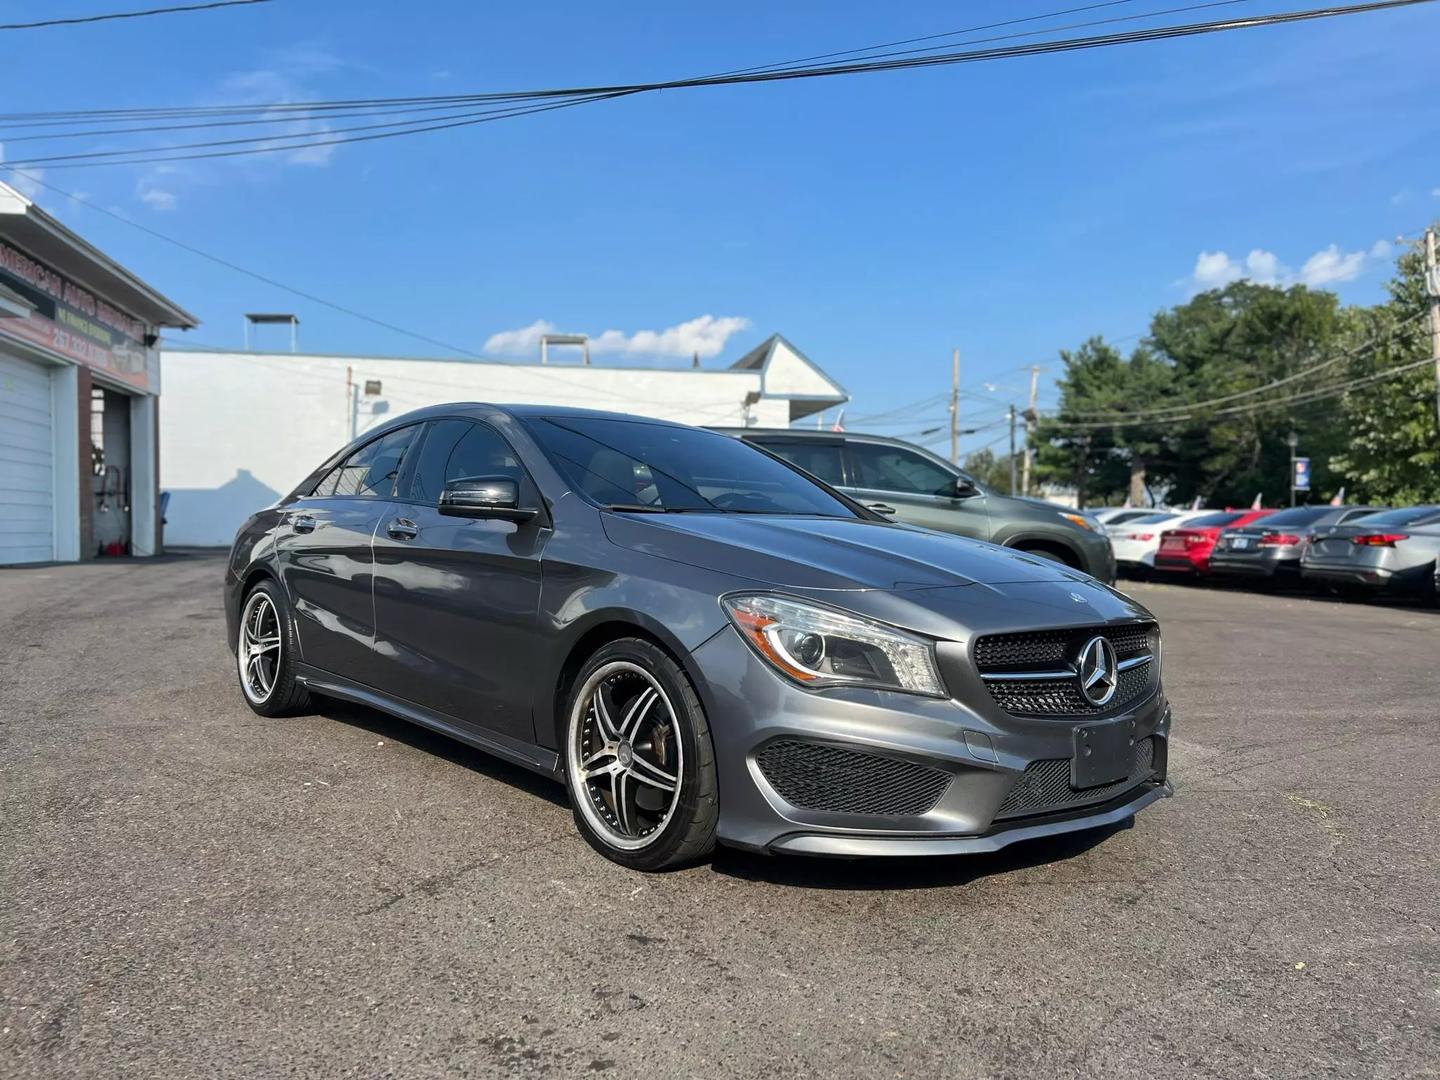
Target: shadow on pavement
[393, 728]
[933, 872]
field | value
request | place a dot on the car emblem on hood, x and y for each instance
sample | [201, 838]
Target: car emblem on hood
[1078, 598]
[1096, 669]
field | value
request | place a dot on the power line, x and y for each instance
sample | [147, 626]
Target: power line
[1304, 397]
[1160, 414]
[564, 98]
[79, 19]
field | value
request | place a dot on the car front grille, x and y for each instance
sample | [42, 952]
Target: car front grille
[817, 776]
[1044, 786]
[1034, 674]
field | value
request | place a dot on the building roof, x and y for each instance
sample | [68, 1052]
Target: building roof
[48, 240]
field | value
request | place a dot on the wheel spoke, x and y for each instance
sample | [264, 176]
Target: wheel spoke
[636, 713]
[610, 768]
[617, 796]
[264, 645]
[648, 773]
[602, 716]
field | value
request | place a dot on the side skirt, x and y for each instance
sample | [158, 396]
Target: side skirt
[513, 750]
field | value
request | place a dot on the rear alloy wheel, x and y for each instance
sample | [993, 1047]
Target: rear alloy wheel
[265, 654]
[638, 761]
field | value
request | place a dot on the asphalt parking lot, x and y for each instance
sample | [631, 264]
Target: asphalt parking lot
[190, 890]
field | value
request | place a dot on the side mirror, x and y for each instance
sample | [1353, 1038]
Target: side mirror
[483, 497]
[965, 487]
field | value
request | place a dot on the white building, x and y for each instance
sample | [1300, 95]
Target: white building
[79, 382]
[241, 429]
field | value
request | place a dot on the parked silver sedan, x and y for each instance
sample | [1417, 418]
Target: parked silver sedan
[1392, 552]
[1270, 549]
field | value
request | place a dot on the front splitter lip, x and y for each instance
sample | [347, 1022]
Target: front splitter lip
[852, 846]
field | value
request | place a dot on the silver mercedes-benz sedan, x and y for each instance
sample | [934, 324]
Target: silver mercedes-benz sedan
[703, 643]
[1394, 552]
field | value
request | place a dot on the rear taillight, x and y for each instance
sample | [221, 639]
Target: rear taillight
[1195, 539]
[1279, 540]
[1378, 539]
[1141, 536]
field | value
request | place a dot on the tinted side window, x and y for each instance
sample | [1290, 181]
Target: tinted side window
[889, 468]
[459, 448]
[817, 458]
[369, 473]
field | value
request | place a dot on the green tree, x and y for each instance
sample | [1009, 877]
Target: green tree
[990, 469]
[1224, 344]
[1077, 446]
[1392, 447]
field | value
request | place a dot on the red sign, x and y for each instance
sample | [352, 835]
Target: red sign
[72, 322]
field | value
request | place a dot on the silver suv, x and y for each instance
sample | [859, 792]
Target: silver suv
[910, 484]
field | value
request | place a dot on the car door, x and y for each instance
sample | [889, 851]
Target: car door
[918, 490]
[323, 553]
[457, 599]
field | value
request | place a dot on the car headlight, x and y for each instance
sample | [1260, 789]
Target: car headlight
[820, 647]
[1088, 524]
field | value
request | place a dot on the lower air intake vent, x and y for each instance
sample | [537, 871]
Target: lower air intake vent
[814, 776]
[1044, 786]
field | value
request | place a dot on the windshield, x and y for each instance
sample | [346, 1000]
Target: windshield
[1411, 515]
[663, 468]
[1152, 519]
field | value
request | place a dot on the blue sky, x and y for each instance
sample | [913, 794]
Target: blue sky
[1009, 208]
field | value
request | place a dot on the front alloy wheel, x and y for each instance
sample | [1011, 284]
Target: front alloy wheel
[638, 760]
[266, 651]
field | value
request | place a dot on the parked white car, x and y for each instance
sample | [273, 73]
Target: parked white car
[1120, 515]
[1137, 539]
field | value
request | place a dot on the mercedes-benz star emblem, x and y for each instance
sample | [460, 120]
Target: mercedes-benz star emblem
[1099, 678]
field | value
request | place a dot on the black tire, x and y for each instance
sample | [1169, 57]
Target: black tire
[688, 834]
[286, 695]
[1052, 554]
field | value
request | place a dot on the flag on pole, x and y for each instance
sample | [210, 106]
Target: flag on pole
[1339, 499]
[839, 422]
[1258, 504]
[1196, 504]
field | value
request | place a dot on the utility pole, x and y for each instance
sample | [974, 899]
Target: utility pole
[1081, 464]
[1432, 286]
[1292, 440]
[1012, 448]
[349, 403]
[1030, 420]
[955, 408]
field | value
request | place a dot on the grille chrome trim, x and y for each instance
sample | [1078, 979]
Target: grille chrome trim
[1037, 673]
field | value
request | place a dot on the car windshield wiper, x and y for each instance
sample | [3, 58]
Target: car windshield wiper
[655, 508]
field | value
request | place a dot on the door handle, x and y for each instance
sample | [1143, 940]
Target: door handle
[302, 523]
[402, 529]
[881, 508]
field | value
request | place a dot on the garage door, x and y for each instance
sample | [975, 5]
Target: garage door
[27, 478]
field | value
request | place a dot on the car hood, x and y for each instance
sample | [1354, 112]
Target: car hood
[825, 553]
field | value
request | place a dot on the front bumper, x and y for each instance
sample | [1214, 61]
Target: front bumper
[982, 750]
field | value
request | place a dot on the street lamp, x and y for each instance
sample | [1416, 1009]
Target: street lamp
[1292, 440]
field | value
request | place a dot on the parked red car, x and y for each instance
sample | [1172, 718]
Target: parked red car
[1186, 550]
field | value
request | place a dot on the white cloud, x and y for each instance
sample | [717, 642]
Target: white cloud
[279, 87]
[1329, 266]
[27, 182]
[1435, 192]
[154, 197]
[705, 335]
[522, 342]
[1215, 269]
